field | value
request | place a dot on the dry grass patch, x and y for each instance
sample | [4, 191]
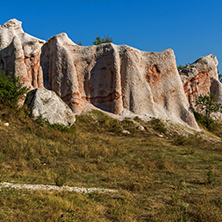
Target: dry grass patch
[158, 179]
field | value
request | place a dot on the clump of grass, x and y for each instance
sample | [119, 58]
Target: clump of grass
[210, 177]
[99, 122]
[158, 125]
[60, 177]
[129, 125]
[189, 140]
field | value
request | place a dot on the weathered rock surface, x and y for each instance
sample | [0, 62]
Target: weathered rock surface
[110, 77]
[115, 78]
[20, 54]
[47, 105]
[201, 78]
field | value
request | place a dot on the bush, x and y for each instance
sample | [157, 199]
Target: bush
[207, 104]
[11, 90]
[99, 41]
[180, 67]
[208, 123]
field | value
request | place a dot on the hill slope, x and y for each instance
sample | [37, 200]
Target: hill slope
[158, 175]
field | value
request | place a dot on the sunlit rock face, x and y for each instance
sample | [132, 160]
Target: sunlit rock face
[115, 78]
[201, 78]
[20, 54]
[47, 105]
[109, 77]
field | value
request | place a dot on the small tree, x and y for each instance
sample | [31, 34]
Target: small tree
[11, 90]
[99, 41]
[180, 67]
[207, 104]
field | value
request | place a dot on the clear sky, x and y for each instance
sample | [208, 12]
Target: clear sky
[192, 28]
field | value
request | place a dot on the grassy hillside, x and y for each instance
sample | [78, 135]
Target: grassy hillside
[158, 175]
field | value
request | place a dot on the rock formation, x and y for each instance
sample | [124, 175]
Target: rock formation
[201, 78]
[47, 105]
[20, 54]
[109, 77]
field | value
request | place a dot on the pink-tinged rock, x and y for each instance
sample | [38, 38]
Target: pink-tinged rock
[115, 78]
[201, 78]
[20, 54]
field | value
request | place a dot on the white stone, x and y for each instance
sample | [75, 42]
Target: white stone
[125, 132]
[47, 105]
[140, 128]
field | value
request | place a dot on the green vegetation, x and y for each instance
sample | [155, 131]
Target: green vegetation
[174, 178]
[207, 105]
[180, 67]
[169, 178]
[79, 43]
[99, 41]
[11, 90]
[158, 125]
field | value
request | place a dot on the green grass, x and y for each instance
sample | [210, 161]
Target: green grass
[173, 178]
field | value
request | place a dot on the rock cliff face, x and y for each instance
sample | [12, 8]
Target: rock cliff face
[110, 77]
[201, 78]
[20, 54]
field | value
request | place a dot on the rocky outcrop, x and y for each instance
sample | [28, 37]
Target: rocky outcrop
[114, 78]
[20, 54]
[46, 104]
[109, 77]
[201, 78]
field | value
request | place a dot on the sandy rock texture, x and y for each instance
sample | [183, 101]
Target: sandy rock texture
[201, 78]
[113, 78]
[47, 105]
[20, 54]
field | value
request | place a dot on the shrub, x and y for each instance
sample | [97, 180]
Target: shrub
[180, 67]
[207, 104]
[99, 41]
[11, 90]
[208, 123]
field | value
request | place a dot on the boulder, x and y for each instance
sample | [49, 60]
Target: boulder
[141, 128]
[47, 105]
[201, 78]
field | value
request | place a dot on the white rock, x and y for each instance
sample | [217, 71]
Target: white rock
[20, 53]
[125, 132]
[140, 127]
[6, 124]
[46, 104]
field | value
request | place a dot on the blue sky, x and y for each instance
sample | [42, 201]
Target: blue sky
[192, 28]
